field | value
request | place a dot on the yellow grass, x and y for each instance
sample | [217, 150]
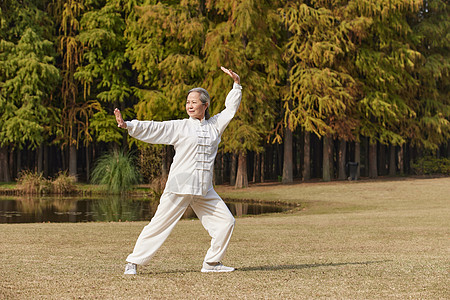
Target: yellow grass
[364, 240]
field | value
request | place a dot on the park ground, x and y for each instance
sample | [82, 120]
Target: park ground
[383, 239]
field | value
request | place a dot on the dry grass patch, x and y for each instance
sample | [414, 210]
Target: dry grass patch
[372, 240]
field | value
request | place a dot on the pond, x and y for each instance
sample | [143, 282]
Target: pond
[28, 209]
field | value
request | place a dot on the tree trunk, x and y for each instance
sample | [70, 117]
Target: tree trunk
[233, 169]
[279, 159]
[45, 161]
[392, 165]
[317, 156]
[31, 156]
[401, 167]
[12, 175]
[298, 154]
[19, 162]
[73, 161]
[217, 176]
[257, 169]
[164, 168]
[40, 158]
[254, 167]
[222, 166]
[306, 172]
[326, 166]
[262, 166]
[358, 158]
[287, 157]
[342, 160]
[88, 164]
[381, 157]
[407, 158]
[4, 169]
[269, 160]
[373, 171]
[241, 177]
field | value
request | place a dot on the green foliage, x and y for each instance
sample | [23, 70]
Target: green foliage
[116, 171]
[242, 37]
[102, 35]
[104, 127]
[379, 69]
[385, 63]
[431, 126]
[27, 82]
[165, 44]
[75, 110]
[430, 165]
[322, 89]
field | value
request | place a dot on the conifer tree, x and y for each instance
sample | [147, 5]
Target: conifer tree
[27, 79]
[322, 88]
[242, 37]
[431, 127]
[104, 73]
[385, 63]
[75, 112]
[165, 40]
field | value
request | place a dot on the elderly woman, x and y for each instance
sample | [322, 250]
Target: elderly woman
[190, 178]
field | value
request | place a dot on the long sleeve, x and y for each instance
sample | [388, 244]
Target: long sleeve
[232, 103]
[154, 132]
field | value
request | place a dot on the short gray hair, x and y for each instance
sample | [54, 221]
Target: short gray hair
[204, 97]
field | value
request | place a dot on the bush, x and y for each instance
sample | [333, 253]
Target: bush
[116, 171]
[33, 183]
[64, 184]
[428, 165]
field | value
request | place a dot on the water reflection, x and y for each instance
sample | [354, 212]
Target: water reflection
[30, 209]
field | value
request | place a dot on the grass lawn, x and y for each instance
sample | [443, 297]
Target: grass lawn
[8, 185]
[386, 239]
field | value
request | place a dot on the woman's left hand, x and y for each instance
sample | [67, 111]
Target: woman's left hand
[232, 75]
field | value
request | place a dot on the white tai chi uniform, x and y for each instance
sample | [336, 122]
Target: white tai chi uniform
[190, 180]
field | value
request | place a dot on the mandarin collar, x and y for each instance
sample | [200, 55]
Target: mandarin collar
[197, 121]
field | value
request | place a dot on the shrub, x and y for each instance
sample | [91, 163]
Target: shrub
[430, 165]
[64, 184]
[33, 183]
[116, 171]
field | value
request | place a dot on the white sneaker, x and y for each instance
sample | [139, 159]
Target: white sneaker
[218, 268]
[130, 269]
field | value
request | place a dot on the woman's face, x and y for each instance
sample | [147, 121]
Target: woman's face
[194, 106]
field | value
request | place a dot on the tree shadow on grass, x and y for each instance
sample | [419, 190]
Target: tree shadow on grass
[307, 266]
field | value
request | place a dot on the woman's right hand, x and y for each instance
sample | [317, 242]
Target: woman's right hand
[233, 75]
[119, 119]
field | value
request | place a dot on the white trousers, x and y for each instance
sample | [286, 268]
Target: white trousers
[210, 209]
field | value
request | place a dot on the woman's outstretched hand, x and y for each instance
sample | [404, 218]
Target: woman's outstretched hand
[232, 75]
[119, 119]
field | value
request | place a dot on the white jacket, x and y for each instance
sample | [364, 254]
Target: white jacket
[195, 142]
